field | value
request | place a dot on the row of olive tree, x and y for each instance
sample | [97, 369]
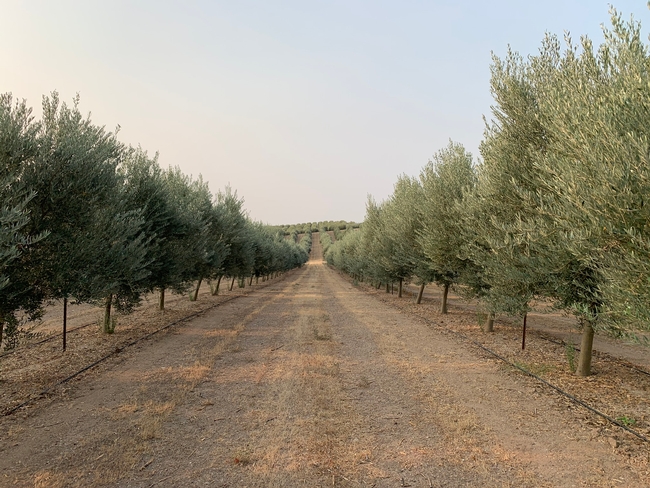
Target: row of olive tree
[84, 217]
[328, 225]
[556, 210]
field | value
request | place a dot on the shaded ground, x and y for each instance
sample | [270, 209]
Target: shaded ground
[553, 324]
[311, 381]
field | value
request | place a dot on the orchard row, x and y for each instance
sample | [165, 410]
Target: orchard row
[554, 211]
[85, 217]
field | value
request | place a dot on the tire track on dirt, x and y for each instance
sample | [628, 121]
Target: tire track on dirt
[274, 399]
[498, 429]
[295, 403]
[112, 425]
[309, 382]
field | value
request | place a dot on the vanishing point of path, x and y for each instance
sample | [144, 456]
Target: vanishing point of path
[307, 382]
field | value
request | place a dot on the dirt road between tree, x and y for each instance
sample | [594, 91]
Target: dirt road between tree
[308, 382]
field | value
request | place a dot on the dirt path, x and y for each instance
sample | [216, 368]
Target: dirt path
[307, 382]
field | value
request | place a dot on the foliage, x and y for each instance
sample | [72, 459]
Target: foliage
[84, 217]
[18, 150]
[445, 181]
[557, 209]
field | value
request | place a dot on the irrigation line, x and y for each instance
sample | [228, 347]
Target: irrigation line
[117, 350]
[47, 339]
[551, 385]
[54, 336]
[564, 343]
[541, 380]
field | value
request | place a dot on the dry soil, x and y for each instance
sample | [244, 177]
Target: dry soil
[317, 381]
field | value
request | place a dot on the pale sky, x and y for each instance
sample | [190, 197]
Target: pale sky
[304, 107]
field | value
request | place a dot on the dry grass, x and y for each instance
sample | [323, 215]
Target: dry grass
[321, 389]
[33, 368]
[47, 479]
[614, 388]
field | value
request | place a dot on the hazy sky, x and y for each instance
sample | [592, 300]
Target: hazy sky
[304, 107]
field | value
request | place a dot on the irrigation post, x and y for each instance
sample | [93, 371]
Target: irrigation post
[65, 319]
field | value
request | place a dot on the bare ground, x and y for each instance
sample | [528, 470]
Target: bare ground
[312, 381]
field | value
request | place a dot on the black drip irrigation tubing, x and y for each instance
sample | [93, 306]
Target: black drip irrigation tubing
[47, 339]
[541, 380]
[52, 337]
[117, 350]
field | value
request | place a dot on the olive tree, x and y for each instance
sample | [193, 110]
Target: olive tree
[445, 180]
[595, 103]
[75, 182]
[18, 147]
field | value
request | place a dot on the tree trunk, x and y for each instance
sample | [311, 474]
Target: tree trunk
[387, 288]
[196, 292]
[250, 282]
[586, 346]
[420, 293]
[107, 313]
[161, 300]
[232, 283]
[2, 328]
[215, 290]
[523, 335]
[257, 279]
[65, 321]
[489, 325]
[378, 285]
[399, 288]
[445, 293]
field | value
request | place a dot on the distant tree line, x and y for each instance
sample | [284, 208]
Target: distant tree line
[87, 218]
[308, 227]
[556, 210]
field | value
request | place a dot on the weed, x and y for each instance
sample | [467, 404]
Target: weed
[625, 420]
[536, 369]
[481, 318]
[111, 328]
[570, 353]
[214, 289]
[242, 457]
[107, 328]
[322, 336]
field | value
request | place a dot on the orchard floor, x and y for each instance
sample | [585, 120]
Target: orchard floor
[314, 381]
